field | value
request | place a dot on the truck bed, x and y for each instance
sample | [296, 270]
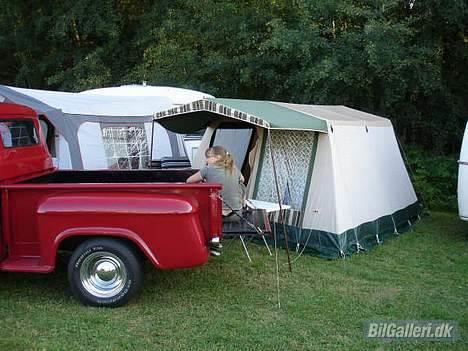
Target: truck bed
[154, 209]
[111, 176]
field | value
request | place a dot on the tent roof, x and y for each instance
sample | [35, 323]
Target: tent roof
[84, 104]
[178, 96]
[266, 114]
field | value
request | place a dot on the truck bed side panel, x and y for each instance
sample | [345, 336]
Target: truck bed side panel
[165, 226]
[171, 224]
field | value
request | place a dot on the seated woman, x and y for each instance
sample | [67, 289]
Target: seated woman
[220, 168]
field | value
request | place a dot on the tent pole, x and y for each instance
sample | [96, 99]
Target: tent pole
[279, 200]
[409, 169]
[151, 150]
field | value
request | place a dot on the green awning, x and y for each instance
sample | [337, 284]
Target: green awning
[198, 114]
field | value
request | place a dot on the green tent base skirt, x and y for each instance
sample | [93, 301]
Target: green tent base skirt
[359, 239]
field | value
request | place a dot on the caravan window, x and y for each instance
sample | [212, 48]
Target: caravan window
[18, 133]
[126, 147]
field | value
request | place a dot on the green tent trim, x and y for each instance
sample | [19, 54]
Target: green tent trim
[311, 170]
[367, 235]
[198, 114]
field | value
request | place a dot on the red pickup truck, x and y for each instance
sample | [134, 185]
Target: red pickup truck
[110, 221]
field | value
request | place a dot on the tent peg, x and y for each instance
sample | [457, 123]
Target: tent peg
[378, 240]
[359, 247]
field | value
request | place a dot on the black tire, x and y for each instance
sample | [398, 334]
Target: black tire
[104, 272]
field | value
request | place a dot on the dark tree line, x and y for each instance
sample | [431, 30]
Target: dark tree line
[403, 59]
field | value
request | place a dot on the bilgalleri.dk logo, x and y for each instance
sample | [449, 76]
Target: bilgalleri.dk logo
[411, 329]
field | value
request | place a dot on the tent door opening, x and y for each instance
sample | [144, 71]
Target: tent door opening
[238, 139]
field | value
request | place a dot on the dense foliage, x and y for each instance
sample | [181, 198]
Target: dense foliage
[434, 178]
[403, 59]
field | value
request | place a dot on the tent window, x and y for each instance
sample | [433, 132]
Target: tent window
[293, 152]
[18, 133]
[126, 147]
[238, 140]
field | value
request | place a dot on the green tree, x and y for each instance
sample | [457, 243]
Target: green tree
[405, 60]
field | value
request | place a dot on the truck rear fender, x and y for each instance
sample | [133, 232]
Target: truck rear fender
[95, 232]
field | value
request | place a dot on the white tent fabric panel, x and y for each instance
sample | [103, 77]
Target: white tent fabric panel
[178, 96]
[370, 177]
[191, 149]
[200, 160]
[161, 142]
[339, 115]
[355, 117]
[351, 158]
[90, 139]
[462, 185]
[99, 105]
[235, 141]
[320, 212]
[396, 184]
[63, 154]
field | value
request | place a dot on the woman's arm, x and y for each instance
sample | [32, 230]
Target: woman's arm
[195, 178]
[241, 178]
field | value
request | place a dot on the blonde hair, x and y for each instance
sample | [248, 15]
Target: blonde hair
[225, 159]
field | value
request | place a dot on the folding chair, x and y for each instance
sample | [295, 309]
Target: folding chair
[249, 223]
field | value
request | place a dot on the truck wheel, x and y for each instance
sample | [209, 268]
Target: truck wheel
[104, 272]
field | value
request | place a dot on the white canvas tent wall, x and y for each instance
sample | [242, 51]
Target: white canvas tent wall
[79, 121]
[462, 186]
[339, 169]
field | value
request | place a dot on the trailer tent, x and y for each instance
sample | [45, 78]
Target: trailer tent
[343, 185]
[95, 130]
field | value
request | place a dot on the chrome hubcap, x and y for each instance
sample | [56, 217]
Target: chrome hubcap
[103, 274]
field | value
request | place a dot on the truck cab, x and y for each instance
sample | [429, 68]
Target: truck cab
[109, 221]
[19, 139]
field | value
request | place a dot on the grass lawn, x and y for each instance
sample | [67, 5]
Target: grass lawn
[231, 304]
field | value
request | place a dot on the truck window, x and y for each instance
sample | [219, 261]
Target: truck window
[18, 133]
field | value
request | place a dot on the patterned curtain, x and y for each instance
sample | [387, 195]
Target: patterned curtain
[292, 151]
